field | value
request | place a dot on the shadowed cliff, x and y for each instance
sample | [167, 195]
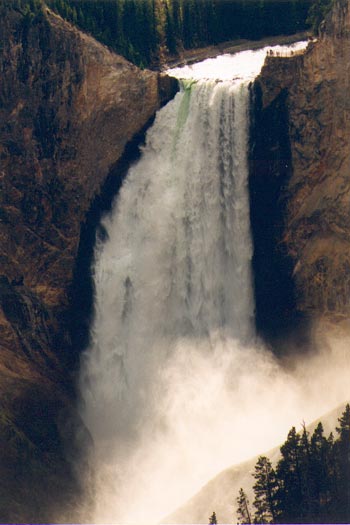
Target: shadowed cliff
[68, 107]
[306, 182]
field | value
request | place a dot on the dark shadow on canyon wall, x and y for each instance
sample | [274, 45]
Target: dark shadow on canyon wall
[277, 320]
[82, 290]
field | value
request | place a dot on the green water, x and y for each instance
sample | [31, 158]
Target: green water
[186, 88]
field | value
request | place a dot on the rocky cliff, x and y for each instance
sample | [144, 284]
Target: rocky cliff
[68, 107]
[304, 167]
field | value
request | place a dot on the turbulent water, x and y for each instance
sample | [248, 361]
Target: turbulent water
[174, 370]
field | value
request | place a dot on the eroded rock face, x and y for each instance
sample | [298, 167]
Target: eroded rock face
[316, 232]
[68, 107]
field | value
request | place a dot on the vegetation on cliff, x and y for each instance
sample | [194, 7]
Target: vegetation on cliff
[23, 6]
[147, 31]
[310, 483]
[317, 13]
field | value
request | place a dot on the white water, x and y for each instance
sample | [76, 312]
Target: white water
[175, 377]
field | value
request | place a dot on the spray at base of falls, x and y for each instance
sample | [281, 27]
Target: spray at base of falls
[175, 384]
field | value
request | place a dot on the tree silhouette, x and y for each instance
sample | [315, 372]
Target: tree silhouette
[265, 489]
[311, 483]
[342, 450]
[243, 512]
[288, 471]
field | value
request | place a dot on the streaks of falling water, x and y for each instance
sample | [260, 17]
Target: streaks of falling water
[174, 271]
[177, 260]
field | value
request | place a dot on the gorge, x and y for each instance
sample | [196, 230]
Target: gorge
[69, 106]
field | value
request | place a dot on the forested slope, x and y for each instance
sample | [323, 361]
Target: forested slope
[309, 484]
[148, 31]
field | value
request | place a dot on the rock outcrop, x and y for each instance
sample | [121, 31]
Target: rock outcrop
[312, 234]
[68, 107]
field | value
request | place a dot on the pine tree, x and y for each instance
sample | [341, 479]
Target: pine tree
[243, 512]
[344, 426]
[290, 476]
[311, 483]
[265, 490]
[145, 31]
[317, 13]
[323, 471]
[342, 448]
[307, 481]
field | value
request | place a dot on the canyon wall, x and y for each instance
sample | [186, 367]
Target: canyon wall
[68, 107]
[303, 166]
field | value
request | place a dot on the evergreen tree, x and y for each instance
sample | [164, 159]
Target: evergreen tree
[243, 512]
[146, 31]
[344, 427]
[342, 450]
[291, 501]
[311, 483]
[307, 479]
[317, 13]
[265, 490]
[323, 470]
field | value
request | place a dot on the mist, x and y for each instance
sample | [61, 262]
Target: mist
[210, 407]
[176, 386]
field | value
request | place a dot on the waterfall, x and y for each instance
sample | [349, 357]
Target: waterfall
[174, 312]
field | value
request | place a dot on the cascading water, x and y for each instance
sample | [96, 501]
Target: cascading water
[171, 370]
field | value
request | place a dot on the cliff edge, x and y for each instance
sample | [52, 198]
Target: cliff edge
[68, 107]
[310, 159]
